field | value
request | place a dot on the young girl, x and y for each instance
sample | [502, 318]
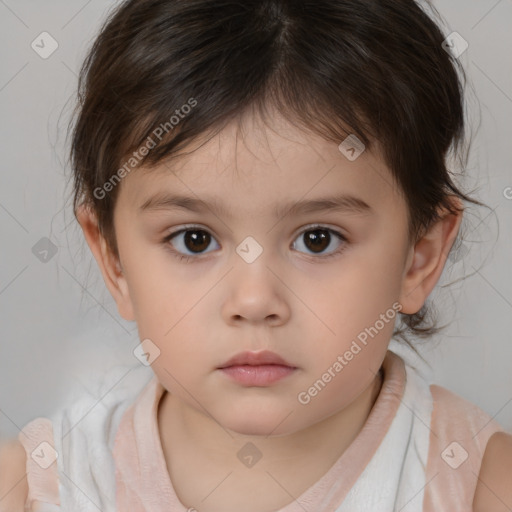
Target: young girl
[264, 187]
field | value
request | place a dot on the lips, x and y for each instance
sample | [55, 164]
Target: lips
[264, 357]
[257, 369]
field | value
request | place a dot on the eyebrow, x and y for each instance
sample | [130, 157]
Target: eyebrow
[342, 203]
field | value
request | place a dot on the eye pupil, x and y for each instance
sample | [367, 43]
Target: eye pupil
[317, 238]
[195, 241]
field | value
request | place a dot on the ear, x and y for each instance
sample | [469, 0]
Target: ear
[109, 264]
[426, 260]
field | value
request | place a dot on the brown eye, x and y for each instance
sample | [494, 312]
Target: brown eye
[317, 239]
[196, 241]
[187, 242]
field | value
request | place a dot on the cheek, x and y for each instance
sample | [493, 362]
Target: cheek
[356, 296]
[161, 294]
[171, 315]
[337, 384]
[170, 311]
[358, 307]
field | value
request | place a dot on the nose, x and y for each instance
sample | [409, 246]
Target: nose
[256, 294]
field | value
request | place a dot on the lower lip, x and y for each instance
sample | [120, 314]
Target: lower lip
[261, 375]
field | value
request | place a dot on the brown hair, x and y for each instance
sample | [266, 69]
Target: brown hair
[373, 68]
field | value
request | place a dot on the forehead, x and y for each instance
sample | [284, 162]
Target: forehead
[254, 165]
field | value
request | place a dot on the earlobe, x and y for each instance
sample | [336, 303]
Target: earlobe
[108, 263]
[426, 261]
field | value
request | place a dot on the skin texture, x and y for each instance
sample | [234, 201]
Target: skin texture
[13, 479]
[494, 489]
[290, 300]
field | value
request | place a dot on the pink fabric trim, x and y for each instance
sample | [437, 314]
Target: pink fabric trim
[142, 479]
[451, 480]
[43, 484]
[143, 482]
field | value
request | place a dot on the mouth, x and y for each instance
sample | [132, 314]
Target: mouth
[262, 358]
[257, 375]
[257, 368]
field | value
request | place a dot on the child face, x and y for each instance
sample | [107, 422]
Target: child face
[308, 296]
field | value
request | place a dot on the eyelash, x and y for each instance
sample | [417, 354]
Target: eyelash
[187, 258]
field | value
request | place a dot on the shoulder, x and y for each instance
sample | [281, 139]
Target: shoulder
[34, 446]
[494, 488]
[481, 448]
[460, 433]
[455, 416]
[13, 484]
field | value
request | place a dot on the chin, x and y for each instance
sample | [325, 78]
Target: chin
[261, 424]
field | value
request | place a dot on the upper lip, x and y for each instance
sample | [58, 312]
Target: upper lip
[255, 359]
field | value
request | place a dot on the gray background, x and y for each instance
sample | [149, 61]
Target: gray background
[59, 326]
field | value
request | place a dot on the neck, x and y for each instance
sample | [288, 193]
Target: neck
[198, 450]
